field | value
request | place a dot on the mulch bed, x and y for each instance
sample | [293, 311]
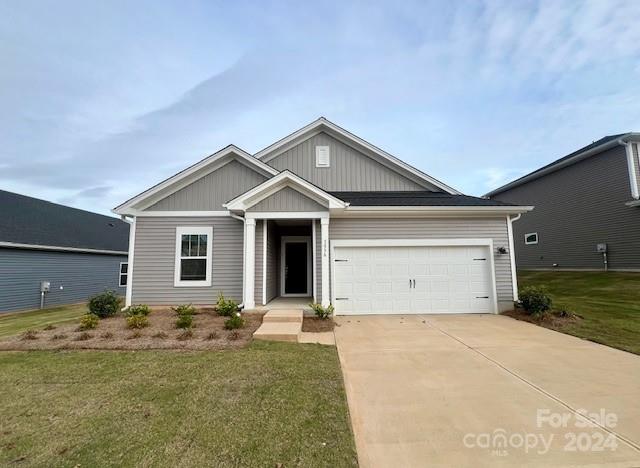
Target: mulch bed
[555, 319]
[112, 333]
[316, 325]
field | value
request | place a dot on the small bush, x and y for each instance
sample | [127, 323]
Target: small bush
[88, 322]
[29, 335]
[135, 335]
[140, 309]
[226, 307]
[137, 321]
[105, 304]
[49, 327]
[184, 309]
[160, 334]
[233, 322]
[535, 300]
[211, 336]
[233, 336]
[185, 334]
[184, 321]
[106, 335]
[58, 336]
[322, 312]
[83, 336]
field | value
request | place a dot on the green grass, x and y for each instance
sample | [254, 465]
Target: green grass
[609, 303]
[14, 323]
[267, 404]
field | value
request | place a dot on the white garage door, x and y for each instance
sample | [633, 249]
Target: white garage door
[412, 280]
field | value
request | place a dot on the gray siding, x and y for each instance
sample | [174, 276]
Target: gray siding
[257, 292]
[576, 208]
[272, 261]
[425, 228]
[288, 199]
[211, 191]
[79, 274]
[154, 261]
[350, 170]
[635, 151]
[318, 269]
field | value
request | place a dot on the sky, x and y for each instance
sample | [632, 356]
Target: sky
[101, 100]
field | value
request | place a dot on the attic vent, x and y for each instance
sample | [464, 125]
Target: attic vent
[322, 156]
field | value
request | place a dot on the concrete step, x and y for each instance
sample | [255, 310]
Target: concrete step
[283, 316]
[278, 331]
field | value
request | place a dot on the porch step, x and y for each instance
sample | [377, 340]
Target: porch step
[283, 316]
[278, 331]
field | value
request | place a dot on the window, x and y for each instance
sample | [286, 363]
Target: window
[531, 238]
[124, 270]
[193, 256]
[322, 156]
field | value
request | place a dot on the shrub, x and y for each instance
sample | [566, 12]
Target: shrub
[160, 334]
[105, 304]
[137, 321]
[106, 335]
[184, 321]
[234, 335]
[184, 309]
[83, 336]
[322, 312]
[535, 300]
[185, 334]
[58, 336]
[140, 309]
[211, 336]
[88, 322]
[29, 335]
[226, 307]
[233, 322]
[136, 334]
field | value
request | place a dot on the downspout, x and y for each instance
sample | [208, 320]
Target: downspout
[512, 255]
[244, 252]
[631, 165]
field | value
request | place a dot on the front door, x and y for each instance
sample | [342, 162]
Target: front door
[296, 266]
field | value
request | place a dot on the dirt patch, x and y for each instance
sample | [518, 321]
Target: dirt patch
[556, 320]
[112, 333]
[316, 325]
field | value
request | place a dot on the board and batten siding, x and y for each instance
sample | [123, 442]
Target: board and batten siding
[318, 265]
[257, 291]
[349, 169]
[210, 192]
[272, 261]
[80, 275]
[287, 199]
[576, 208]
[154, 261]
[443, 228]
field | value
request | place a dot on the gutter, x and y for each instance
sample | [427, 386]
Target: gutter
[631, 167]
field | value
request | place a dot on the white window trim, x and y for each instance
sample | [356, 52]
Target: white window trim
[184, 230]
[120, 274]
[318, 150]
[531, 234]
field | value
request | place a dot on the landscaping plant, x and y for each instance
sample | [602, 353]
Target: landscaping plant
[105, 304]
[233, 322]
[88, 322]
[184, 321]
[322, 312]
[137, 321]
[535, 300]
[139, 309]
[184, 309]
[226, 307]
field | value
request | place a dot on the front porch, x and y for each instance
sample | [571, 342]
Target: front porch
[286, 303]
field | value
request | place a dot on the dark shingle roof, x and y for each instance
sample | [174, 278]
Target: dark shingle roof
[413, 199]
[26, 220]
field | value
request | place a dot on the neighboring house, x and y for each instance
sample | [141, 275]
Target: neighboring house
[77, 252]
[325, 216]
[586, 202]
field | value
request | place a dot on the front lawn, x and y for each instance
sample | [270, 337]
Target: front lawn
[18, 322]
[608, 302]
[263, 405]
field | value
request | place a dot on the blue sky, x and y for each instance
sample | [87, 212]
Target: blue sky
[99, 100]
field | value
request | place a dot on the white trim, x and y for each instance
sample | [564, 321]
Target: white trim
[287, 215]
[197, 230]
[284, 240]
[334, 130]
[443, 209]
[531, 234]
[250, 264]
[284, 179]
[631, 166]
[132, 243]
[417, 243]
[120, 285]
[264, 262]
[159, 214]
[174, 180]
[16, 245]
[512, 256]
[314, 286]
[324, 245]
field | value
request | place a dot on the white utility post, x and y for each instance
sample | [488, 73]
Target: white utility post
[324, 238]
[250, 267]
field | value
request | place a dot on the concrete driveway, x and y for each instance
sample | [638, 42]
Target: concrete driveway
[485, 390]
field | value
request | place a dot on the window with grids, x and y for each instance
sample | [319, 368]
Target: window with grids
[124, 271]
[193, 256]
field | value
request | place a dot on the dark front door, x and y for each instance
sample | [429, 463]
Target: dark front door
[295, 267]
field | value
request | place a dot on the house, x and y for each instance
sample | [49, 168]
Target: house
[325, 216]
[52, 254]
[587, 214]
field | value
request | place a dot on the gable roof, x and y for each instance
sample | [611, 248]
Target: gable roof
[591, 149]
[404, 198]
[284, 179]
[33, 223]
[324, 125]
[188, 175]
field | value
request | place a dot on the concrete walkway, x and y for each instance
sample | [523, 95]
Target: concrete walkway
[467, 390]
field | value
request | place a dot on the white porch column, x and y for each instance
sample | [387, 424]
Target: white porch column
[250, 264]
[324, 238]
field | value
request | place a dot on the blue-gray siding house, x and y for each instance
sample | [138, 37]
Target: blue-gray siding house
[77, 252]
